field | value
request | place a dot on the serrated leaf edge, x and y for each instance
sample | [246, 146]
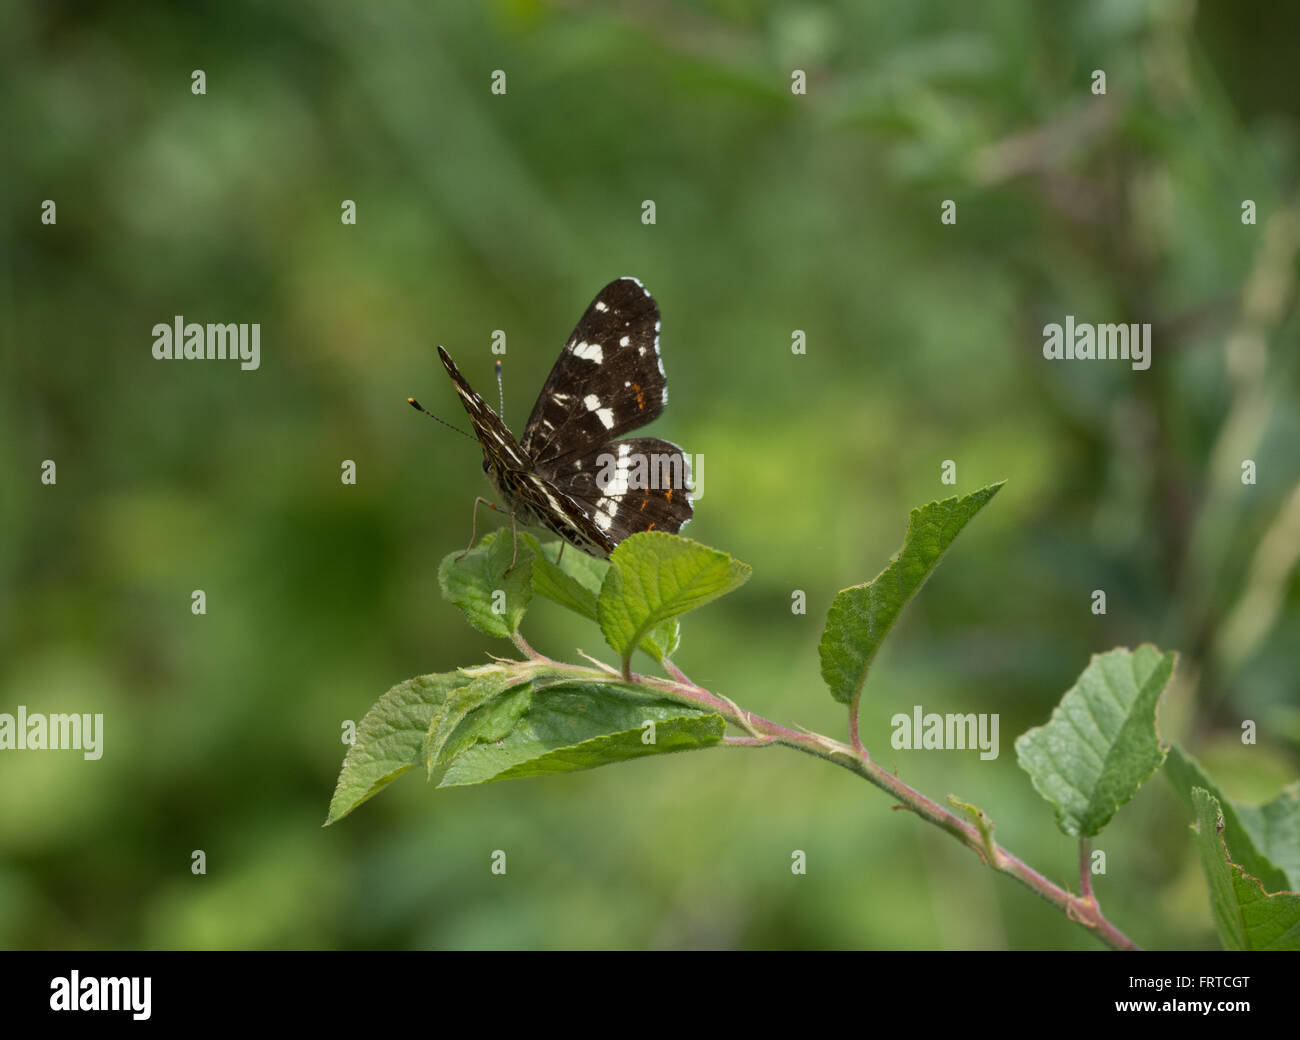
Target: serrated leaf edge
[855, 696]
[1155, 712]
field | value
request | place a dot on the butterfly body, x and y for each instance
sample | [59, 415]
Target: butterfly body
[570, 472]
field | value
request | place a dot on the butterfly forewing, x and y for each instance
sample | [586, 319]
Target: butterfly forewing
[495, 437]
[608, 379]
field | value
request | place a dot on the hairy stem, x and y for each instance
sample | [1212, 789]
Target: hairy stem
[1082, 909]
[853, 729]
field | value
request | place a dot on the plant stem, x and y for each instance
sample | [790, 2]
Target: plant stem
[853, 730]
[1083, 910]
[527, 650]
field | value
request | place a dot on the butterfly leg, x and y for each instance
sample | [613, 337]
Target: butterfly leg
[514, 537]
[559, 555]
[473, 526]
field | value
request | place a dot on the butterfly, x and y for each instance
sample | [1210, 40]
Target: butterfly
[570, 472]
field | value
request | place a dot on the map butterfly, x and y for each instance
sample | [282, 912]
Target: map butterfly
[570, 472]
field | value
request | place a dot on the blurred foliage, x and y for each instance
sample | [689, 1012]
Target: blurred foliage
[775, 212]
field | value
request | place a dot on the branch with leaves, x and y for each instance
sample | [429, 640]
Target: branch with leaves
[536, 716]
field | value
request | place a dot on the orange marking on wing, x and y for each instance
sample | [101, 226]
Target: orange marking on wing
[644, 501]
[668, 495]
[640, 397]
[651, 527]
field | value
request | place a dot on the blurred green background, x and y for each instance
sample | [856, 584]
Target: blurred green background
[775, 212]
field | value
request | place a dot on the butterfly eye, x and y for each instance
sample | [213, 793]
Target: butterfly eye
[485, 464]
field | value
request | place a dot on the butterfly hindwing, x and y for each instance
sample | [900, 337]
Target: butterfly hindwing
[636, 484]
[608, 380]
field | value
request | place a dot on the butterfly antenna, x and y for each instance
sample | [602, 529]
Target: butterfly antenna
[501, 391]
[420, 408]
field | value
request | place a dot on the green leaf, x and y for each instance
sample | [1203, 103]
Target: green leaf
[473, 583]
[982, 824]
[663, 640]
[451, 730]
[390, 739]
[860, 617]
[1100, 744]
[1265, 840]
[576, 585]
[1247, 917]
[496, 722]
[655, 576]
[581, 726]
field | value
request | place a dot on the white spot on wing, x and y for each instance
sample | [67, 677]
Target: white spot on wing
[617, 485]
[600, 306]
[624, 341]
[605, 415]
[589, 352]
